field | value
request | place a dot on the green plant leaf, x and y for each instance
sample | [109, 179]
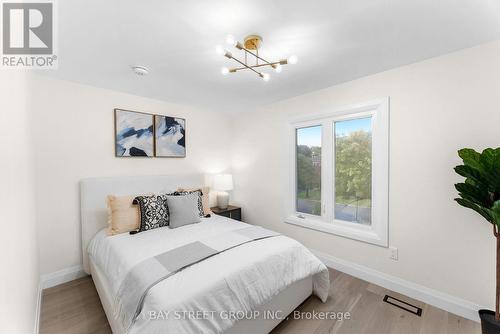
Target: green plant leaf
[474, 194]
[471, 205]
[471, 158]
[495, 212]
[474, 174]
[481, 186]
[481, 189]
[490, 160]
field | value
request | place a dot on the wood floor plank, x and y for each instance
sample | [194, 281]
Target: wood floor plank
[75, 308]
[457, 325]
[437, 320]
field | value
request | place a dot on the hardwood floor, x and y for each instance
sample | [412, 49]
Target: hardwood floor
[74, 308]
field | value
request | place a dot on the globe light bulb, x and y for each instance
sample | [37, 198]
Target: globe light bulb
[220, 50]
[231, 40]
[224, 71]
[292, 59]
[278, 68]
[266, 77]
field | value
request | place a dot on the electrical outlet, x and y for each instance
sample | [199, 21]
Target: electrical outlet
[393, 253]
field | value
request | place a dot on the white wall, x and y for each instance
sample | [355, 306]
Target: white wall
[73, 127]
[18, 239]
[437, 107]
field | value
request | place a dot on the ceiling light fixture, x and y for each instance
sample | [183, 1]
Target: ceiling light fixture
[250, 47]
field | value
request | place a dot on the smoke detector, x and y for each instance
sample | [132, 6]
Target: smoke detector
[140, 70]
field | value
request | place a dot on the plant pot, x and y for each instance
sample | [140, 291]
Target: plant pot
[488, 323]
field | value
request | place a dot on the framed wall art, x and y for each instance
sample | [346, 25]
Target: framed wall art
[134, 134]
[170, 136]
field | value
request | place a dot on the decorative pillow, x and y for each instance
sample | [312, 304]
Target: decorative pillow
[154, 211]
[198, 193]
[183, 209]
[205, 199]
[123, 216]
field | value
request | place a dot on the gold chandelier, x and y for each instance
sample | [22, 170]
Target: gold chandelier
[250, 47]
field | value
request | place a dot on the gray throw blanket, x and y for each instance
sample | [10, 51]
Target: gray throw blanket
[145, 275]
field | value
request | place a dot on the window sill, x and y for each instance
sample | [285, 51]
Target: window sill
[360, 233]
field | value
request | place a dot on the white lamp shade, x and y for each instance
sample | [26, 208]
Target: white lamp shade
[223, 182]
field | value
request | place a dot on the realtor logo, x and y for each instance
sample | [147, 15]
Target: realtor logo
[28, 35]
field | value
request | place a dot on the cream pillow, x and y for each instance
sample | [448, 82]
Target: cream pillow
[205, 199]
[123, 216]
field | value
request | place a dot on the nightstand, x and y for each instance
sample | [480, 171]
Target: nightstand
[233, 212]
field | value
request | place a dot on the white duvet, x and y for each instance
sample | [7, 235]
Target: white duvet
[240, 279]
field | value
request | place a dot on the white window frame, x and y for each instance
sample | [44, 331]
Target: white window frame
[377, 232]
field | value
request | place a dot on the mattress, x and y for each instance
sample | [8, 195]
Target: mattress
[237, 280]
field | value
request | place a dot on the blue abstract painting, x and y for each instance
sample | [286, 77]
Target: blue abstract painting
[170, 136]
[134, 134]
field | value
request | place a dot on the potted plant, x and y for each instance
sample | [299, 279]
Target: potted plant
[481, 193]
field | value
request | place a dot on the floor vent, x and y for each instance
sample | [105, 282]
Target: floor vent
[403, 305]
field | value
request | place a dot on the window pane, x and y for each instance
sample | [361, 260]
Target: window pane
[353, 170]
[309, 170]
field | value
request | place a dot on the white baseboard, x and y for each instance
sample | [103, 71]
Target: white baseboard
[62, 276]
[38, 308]
[429, 296]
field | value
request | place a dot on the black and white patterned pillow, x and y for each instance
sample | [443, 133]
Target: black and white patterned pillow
[154, 211]
[200, 202]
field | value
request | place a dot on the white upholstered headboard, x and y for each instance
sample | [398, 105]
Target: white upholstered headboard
[93, 192]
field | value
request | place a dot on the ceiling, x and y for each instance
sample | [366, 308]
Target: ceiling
[335, 40]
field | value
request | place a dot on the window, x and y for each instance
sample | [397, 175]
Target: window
[308, 176]
[353, 170]
[339, 172]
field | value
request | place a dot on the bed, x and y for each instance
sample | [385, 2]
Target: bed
[248, 289]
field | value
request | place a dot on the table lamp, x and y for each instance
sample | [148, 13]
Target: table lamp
[223, 183]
